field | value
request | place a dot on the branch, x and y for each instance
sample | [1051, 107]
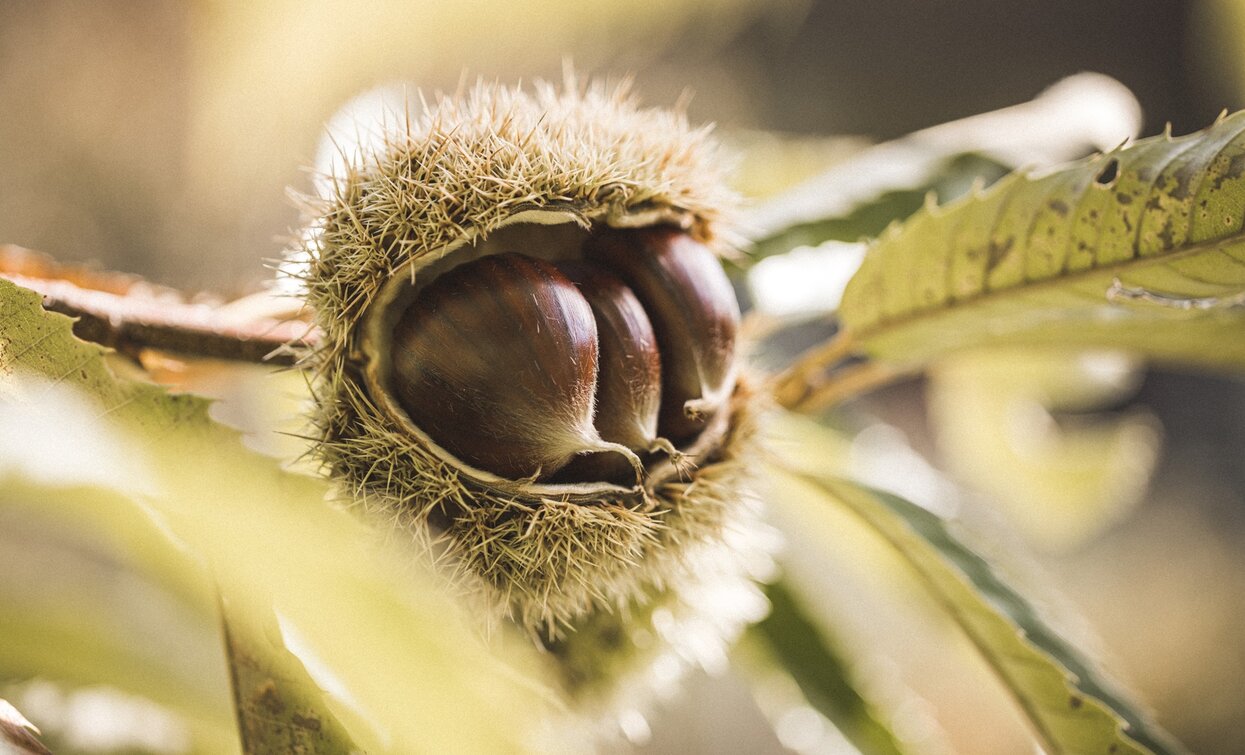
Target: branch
[793, 386]
[128, 314]
[841, 385]
[823, 377]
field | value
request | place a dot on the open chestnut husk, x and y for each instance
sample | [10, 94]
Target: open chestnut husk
[529, 358]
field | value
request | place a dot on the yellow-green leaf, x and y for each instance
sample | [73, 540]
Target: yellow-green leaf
[278, 705]
[389, 654]
[75, 610]
[1072, 706]
[1141, 248]
[792, 640]
[858, 196]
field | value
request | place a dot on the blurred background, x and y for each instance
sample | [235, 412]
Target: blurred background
[160, 138]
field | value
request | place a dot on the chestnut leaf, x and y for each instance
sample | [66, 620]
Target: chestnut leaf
[1141, 249]
[366, 652]
[864, 192]
[1070, 704]
[792, 640]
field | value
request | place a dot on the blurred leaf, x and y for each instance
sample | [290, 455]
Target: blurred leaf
[278, 706]
[100, 718]
[70, 613]
[767, 162]
[861, 195]
[1071, 705]
[17, 735]
[793, 640]
[1139, 249]
[399, 665]
[947, 179]
[1002, 424]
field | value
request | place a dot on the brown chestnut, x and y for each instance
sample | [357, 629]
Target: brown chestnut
[694, 313]
[496, 360]
[628, 395]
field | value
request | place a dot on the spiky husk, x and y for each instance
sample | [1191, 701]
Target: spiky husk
[445, 182]
[617, 664]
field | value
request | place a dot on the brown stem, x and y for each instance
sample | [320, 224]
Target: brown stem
[793, 386]
[851, 381]
[814, 383]
[124, 313]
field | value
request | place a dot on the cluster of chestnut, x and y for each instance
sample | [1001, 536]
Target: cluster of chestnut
[571, 371]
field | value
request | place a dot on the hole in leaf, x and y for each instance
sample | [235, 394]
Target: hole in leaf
[1108, 172]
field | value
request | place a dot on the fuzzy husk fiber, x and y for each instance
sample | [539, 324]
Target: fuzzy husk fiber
[442, 183]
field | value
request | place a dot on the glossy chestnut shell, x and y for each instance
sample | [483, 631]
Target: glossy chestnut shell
[570, 371]
[497, 361]
[694, 312]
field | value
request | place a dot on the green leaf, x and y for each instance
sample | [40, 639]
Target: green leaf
[1141, 248]
[1072, 707]
[90, 621]
[390, 655]
[860, 195]
[278, 705]
[794, 641]
[93, 619]
[948, 178]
